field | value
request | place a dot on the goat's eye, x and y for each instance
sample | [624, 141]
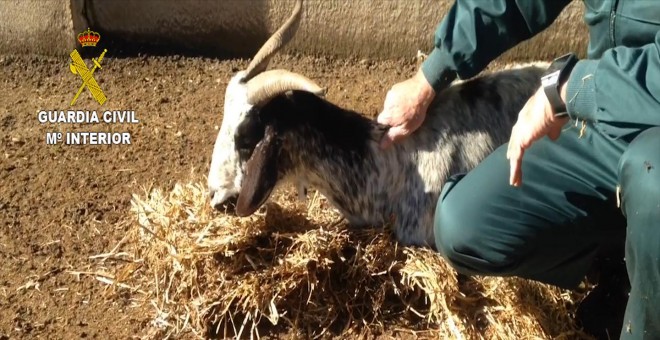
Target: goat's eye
[248, 139]
[245, 143]
[248, 134]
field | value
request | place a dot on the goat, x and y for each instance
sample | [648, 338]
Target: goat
[278, 126]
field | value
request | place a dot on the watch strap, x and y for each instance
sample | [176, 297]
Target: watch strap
[554, 78]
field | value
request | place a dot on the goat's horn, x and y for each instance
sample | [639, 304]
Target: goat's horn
[269, 84]
[280, 38]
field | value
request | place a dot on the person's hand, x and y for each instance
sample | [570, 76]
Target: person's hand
[405, 108]
[535, 121]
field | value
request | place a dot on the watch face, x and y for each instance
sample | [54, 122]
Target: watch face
[556, 74]
[552, 74]
[551, 78]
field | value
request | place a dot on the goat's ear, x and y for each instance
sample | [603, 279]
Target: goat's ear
[260, 175]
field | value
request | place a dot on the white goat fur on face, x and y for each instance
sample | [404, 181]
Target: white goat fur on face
[226, 173]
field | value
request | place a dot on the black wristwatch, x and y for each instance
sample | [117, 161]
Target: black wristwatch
[553, 79]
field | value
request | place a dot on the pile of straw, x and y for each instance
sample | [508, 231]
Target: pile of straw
[296, 268]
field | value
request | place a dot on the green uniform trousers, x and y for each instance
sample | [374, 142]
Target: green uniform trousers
[551, 228]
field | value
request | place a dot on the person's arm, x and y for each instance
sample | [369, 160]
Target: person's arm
[623, 86]
[475, 32]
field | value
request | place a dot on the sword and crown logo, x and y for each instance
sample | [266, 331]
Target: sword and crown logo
[87, 38]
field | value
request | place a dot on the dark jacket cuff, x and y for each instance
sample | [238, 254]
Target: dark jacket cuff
[581, 91]
[436, 71]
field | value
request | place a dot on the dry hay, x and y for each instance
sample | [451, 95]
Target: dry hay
[296, 268]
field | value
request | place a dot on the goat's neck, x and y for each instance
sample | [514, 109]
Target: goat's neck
[334, 154]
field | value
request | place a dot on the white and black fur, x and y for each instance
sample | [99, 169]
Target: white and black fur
[277, 126]
[302, 137]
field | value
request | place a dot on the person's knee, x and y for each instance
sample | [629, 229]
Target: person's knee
[463, 239]
[639, 174]
[639, 180]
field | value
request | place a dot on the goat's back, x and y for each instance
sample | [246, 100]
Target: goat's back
[464, 124]
[489, 102]
[471, 118]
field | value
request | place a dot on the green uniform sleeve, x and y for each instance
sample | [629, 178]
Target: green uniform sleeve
[623, 86]
[475, 32]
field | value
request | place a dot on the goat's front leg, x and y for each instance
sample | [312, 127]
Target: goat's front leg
[413, 220]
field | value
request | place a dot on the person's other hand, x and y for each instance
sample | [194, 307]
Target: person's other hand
[405, 108]
[535, 121]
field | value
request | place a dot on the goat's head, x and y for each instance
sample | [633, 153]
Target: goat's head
[241, 128]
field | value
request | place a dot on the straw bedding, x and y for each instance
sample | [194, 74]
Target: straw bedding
[295, 269]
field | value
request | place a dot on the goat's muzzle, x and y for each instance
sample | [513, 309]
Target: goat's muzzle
[227, 206]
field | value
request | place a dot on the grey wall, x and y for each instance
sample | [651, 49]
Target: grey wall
[377, 29]
[36, 26]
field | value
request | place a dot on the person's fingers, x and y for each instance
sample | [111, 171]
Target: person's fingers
[416, 122]
[394, 135]
[392, 110]
[553, 134]
[513, 141]
[515, 163]
[399, 132]
[525, 118]
[513, 154]
[555, 131]
[526, 139]
[385, 117]
[386, 142]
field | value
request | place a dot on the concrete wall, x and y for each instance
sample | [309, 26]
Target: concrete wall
[36, 26]
[376, 29]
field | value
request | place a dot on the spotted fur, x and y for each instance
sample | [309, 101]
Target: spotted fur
[336, 150]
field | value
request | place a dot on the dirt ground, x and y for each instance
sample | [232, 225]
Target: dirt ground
[62, 204]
